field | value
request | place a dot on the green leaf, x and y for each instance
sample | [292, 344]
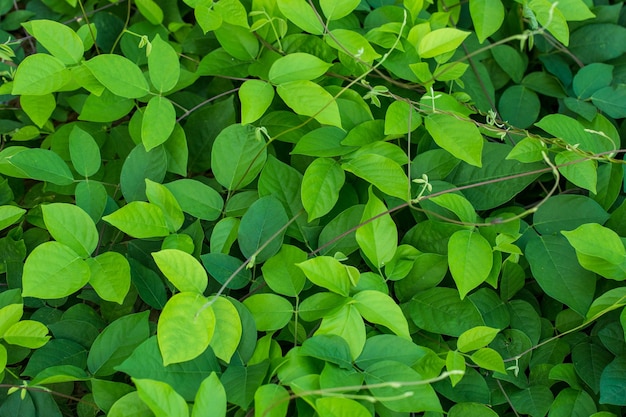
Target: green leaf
[489, 359]
[441, 41]
[378, 238]
[140, 220]
[119, 75]
[271, 400]
[150, 10]
[262, 229]
[116, 343]
[598, 42]
[401, 380]
[612, 382]
[401, 118]
[85, 152]
[53, 270]
[577, 169]
[91, 196]
[42, 165]
[470, 409]
[39, 108]
[256, 97]
[309, 99]
[348, 324]
[552, 19]
[158, 122]
[70, 225]
[297, 66]
[321, 184]
[270, 311]
[161, 398]
[380, 171]
[457, 204]
[161, 196]
[163, 65]
[281, 272]
[9, 215]
[329, 348]
[527, 150]
[459, 137]
[130, 405]
[599, 250]
[210, 399]
[182, 270]
[534, 400]
[60, 373]
[105, 108]
[327, 272]
[574, 133]
[40, 74]
[58, 39]
[553, 264]
[592, 78]
[611, 101]
[238, 156]
[110, 276]
[324, 142]
[334, 10]
[27, 333]
[302, 15]
[185, 327]
[197, 198]
[354, 43]
[238, 41]
[476, 338]
[519, 106]
[487, 16]
[441, 310]
[340, 407]
[608, 301]
[571, 401]
[554, 215]
[470, 257]
[228, 329]
[9, 315]
[379, 308]
[138, 166]
[222, 267]
[455, 361]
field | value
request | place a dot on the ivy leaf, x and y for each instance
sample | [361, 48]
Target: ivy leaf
[185, 327]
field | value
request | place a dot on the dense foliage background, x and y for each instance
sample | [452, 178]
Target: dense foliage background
[290, 207]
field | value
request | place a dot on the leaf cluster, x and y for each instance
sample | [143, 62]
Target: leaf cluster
[315, 208]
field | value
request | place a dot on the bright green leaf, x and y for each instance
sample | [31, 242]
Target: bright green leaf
[476, 338]
[39, 108]
[320, 187]
[211, 398]
[161, 398]
[85, 152]
[42, 165]
[161, 196]
[185, 327]
[441, 41]
[70, 225]
[281, 272]
[329, 273]
[459, 137]
[182, 270]
[27, 333]
[487, 16]
[40, 74]
[119, 75]
[384, 173]
[271, 400]
[353, 42]
[158, 122]
[455, 361]
[309, 99]
[256, 97]
[58, 39]
[270, 311]
[140, 220]
[378, 237]
[577, 169]
[401, 118]
[340, 407]
[53, 270]
[197, 198]
[110, 276]
[298, 66]
[228, 329]
[9, 215]
[470, 258]
[301, 14]
[379, 308]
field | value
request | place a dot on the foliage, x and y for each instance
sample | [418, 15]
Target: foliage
[333, 208]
